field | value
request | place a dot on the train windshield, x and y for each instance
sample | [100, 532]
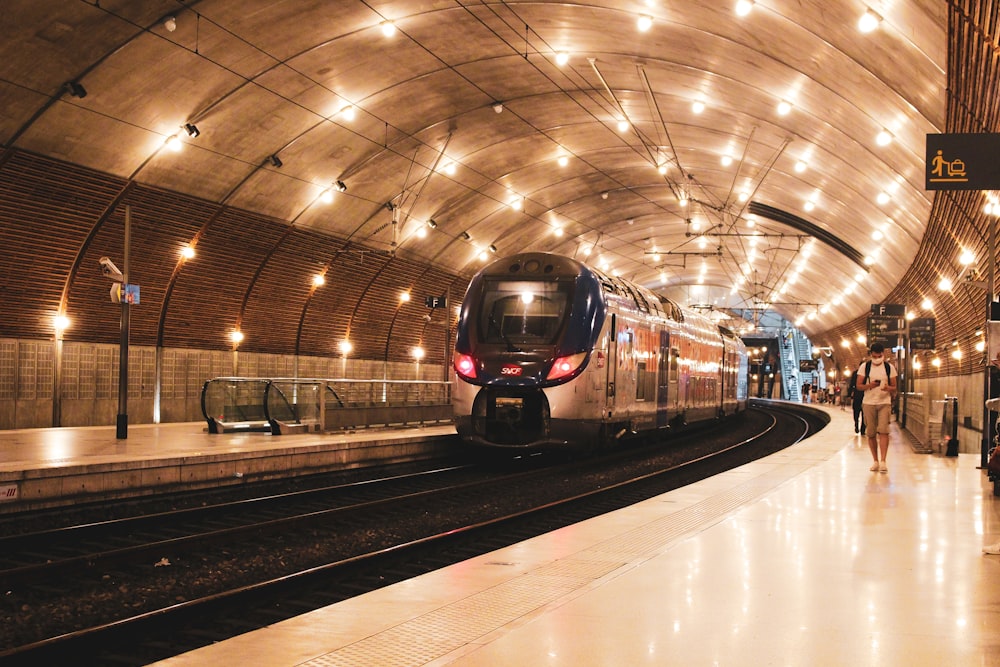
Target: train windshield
[522, 312]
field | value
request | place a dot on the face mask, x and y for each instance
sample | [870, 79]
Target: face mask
[877, 362]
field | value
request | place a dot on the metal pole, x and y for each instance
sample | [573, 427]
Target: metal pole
[122, 422]
[990, 289]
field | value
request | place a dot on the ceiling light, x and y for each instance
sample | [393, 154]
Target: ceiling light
[727, 160]
[275, 161]
[348, 112]
[492, 248]
[662, 168]
[170, 23]
[483, 255]
[327, 196]
[698, 107]
[743, 7]
[449, 169]
[801, 166]
[884, 138]
[869, 20]
[236, 336]
[404, 297]
[432, 224]
[944, 285]
[341, 186]
[75, 89]
[784, 107]
[644, 23]
[557, 230]
[877, 235]
[421, 232]
[192, 130]
[388, 28]
[967, 257]
[883, 198]
[623, 126]
[187, 252]
[345, 346]
[604, 195]
[498, 107]
[563, 160]
[562, 58]
[173, 142]
[466, 236]
[516, 203]
[319, 280]
[809, 205]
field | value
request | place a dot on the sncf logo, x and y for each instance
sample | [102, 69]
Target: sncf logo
[510, 369]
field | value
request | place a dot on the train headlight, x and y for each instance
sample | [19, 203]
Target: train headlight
[564, 366]
[465, 365]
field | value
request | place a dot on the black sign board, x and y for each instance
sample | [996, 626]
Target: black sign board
[922, 333]
[888, 309]
[436, 302]
[962, 162]
[807, 365]
[884, 330]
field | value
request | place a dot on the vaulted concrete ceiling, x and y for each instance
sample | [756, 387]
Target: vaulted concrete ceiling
[649, 149]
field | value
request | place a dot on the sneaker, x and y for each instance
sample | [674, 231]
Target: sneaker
[874, 467]
[993, 549]
[883, 467]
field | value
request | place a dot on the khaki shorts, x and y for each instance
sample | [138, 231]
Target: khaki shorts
[877, 417]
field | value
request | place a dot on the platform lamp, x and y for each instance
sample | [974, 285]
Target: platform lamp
[236, 337]
[59, 325]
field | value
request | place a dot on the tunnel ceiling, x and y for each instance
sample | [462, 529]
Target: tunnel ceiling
[446, 131]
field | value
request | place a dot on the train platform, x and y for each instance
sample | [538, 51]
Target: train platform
[51, 467]
[803, 557]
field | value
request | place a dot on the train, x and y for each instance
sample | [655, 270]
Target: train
[553, 354]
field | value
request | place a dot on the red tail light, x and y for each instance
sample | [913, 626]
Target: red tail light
[564, 366]
[465, 365]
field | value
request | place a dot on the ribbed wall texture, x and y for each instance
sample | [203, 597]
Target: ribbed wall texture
[957, 218]
[249, 272]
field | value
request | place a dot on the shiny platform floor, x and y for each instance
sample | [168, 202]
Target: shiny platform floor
[53, 467]
[802, 558]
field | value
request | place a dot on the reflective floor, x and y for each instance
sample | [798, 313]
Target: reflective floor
[803, 558]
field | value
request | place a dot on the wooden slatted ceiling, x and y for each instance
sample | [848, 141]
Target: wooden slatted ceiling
[209, 293]
[284, 285]
[47, 210]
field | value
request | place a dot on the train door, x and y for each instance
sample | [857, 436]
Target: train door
[663, 380]
[612, 363]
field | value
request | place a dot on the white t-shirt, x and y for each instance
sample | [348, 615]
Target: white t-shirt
[875, 395]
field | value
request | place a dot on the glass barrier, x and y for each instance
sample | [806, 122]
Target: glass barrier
[288, 405]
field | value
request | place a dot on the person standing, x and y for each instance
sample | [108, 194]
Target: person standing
[877, 378]
[856, 396]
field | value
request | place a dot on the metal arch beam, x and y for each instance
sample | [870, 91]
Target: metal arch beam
[795, 222]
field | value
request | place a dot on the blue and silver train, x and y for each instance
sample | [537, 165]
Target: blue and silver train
[554, 354]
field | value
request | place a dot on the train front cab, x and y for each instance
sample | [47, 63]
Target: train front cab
[525, 330]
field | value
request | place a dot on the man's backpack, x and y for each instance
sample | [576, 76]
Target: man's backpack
[888, 371]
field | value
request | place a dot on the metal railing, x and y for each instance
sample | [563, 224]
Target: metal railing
[296, 405]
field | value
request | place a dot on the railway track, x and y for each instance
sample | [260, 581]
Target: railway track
[365, 537]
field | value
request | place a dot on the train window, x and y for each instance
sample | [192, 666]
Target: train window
[523, 312]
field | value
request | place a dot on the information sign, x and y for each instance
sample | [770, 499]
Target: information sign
[436, 302]
[962, 161]
[922, 333]
[884, 330]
